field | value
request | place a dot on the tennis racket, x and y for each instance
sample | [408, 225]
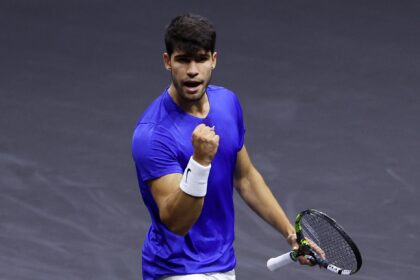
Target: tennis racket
[323, 242]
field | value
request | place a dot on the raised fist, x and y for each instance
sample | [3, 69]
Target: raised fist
[205, 142]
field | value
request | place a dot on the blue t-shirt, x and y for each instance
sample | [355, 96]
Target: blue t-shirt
[162, 145]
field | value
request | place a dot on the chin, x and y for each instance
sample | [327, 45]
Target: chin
[193, 96]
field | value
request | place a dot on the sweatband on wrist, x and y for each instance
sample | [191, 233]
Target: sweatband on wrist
[194, 180]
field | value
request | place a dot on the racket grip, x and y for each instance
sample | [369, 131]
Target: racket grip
[277, 262]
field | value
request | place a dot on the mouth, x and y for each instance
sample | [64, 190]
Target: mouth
[192, 86]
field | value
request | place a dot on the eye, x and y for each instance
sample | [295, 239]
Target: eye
[202, 58]
[183, 59]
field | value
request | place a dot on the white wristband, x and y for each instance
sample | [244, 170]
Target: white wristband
[194, 180]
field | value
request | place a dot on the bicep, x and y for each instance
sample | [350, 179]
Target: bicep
[163, 187]
[177, 210]
[243, 169]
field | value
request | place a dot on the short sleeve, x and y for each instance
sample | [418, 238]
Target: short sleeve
[240, 123]
[154, 152]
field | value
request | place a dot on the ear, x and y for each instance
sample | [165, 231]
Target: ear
[213, 60]
[167, 61]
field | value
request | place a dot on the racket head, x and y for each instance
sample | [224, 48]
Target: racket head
[325, 243]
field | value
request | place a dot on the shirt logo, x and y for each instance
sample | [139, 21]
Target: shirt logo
[186, 176]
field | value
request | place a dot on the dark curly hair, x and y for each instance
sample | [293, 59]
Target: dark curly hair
[190, 33]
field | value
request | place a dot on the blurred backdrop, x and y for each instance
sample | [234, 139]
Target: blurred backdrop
[330, 93]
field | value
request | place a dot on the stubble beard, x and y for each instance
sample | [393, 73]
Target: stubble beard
[186, 97]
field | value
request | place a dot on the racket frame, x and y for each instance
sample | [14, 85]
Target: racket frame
[305, 248]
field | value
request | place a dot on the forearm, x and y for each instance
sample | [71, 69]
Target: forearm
[259, 197]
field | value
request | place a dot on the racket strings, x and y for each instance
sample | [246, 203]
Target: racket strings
[335, 246]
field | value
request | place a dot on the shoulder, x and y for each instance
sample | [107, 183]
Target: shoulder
[153, 128]
[222, 93]
[147, 133]
[153, 143]
[219, 90]
[155, 120]
[155, 112]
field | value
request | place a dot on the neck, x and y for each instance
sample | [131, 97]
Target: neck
[198, 108]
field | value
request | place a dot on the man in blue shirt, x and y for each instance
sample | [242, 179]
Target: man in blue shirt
[189, 152]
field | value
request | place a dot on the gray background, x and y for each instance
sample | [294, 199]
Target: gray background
[330, 91]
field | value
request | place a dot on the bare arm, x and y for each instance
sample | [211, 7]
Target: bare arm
[177, 209]
[254, 191]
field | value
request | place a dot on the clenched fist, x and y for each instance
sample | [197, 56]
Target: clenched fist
[205, 142]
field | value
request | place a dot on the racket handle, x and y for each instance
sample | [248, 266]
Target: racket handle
[277, 262]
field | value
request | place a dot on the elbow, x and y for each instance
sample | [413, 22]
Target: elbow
[176, 227]
[181, 231]
[241, 185]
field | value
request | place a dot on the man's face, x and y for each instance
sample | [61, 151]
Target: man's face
[190, 73]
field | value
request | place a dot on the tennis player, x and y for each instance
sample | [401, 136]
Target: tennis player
[189, 152]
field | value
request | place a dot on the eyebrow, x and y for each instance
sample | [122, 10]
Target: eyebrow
[199, 56]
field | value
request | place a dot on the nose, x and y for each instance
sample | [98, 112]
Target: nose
[192, 69]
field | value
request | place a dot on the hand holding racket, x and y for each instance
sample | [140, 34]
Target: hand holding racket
[322, 241]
